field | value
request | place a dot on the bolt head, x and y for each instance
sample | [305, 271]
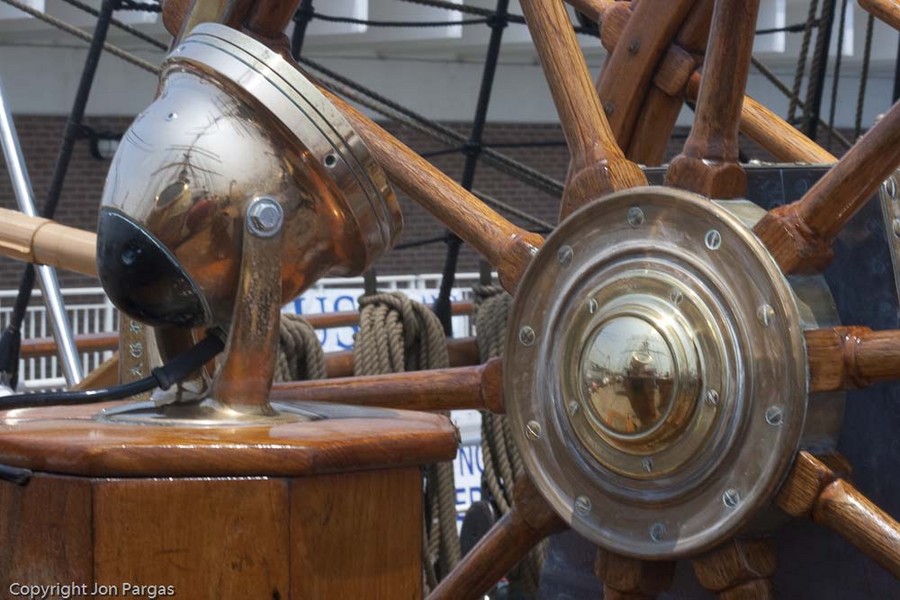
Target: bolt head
[713, 239]
[564, 256]
[592, 306]
[676, 297]
[583, 505]
[765, 314]
[731, 498]
[266, 216]
[775, 416]
[712, 397]
[527, 336]
[657, 532]
[533, 431]
[647, 463]
[635, 216]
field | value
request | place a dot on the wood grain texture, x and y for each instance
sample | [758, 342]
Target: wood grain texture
[738, 568]
[597, 165]
[816, 489]
[69, 440]
[885, 10]
[627, 74]
[506, 246]
[625, 577]
[208, 538]
[842, 358]
[106, 375]
[592, 9]
[45, 531]
[783, 140]
[462, 352]
[799, 235]
[42, 241]
[357, 536]
[660, 110]
[478, 387]
[709, 165]
[528, 522]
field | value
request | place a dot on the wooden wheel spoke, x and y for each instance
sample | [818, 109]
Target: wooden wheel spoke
[634, 52]
[626, 578]
[506, 246]
[739, 569]
[709, 163]
[598, 165]
[885, 10]
[815, 489]
[799, 235]
[477, 387]
[528, 522]
[844, 358]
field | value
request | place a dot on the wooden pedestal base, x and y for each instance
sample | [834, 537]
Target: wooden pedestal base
[353, 532]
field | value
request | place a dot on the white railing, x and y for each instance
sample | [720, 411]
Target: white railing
[90, 311]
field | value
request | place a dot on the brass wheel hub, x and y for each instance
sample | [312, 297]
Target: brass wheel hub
[656, 371]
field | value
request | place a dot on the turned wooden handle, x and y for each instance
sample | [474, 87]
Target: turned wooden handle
[843, 358]
[814, 488]
[799, 235]
[528, 522]
[709, 163]
[479, 387]
[844, 509]
[45, 242]
[886, 10]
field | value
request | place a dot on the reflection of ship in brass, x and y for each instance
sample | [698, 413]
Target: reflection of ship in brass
[629, 375]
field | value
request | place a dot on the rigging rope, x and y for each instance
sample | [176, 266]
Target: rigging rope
[396, 335]
[863, 77]
[501, 460]
[62, 25]
[801, 60]
[835, 80]
[116, 23]
[300, 355]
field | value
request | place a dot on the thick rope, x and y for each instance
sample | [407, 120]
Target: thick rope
[501, 459]
[300, 355]
[397, 334]
[801, 60]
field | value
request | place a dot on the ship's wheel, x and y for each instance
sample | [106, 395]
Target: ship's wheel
[674, 363]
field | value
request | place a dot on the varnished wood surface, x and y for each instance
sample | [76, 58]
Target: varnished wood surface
[627, 75]
[709, 165]
[815, 489]
[592, 9]
[799, 235]
[208, 538]
[660, 110]
[739, 568]
[478, 387]
[625, 577]
[357, 537]
[45, 531]
[597, 165]
[348, 535]
[528, 522]
[106, 375]
[462, 352]
[69, 440]
[885, 10]
[42, 241]
[508, 247]
[843, 358]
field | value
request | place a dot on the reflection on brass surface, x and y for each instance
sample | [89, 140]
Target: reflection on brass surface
[628, 375]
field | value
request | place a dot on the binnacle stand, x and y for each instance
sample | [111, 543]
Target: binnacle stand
[238, 394]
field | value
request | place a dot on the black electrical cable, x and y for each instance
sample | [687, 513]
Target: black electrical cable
[163, 377]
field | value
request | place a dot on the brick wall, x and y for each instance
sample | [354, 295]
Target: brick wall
[40, 139]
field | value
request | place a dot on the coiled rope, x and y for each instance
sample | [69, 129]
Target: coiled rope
[300, 354]
[502, 462]
[395, 335]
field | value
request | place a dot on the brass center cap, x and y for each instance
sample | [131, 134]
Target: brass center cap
[628, 373]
